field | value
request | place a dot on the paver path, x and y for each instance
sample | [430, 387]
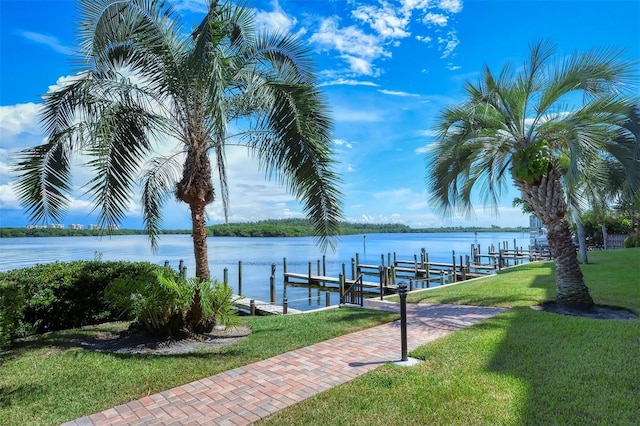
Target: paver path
[247, 394]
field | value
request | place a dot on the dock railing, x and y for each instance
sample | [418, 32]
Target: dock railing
[354, 294]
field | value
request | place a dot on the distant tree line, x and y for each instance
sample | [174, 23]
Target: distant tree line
[303, 228]
[66, 232]
[265, 228]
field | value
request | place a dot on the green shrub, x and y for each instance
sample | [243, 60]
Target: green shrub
[162, 305]
[217, 304]
[64, 295]
[11, 310]
[158, 303]
[632, 241]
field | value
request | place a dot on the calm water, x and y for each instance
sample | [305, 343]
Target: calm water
[257, 255]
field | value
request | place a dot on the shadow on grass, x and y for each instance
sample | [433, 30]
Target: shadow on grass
[10, 394]
[576, 370]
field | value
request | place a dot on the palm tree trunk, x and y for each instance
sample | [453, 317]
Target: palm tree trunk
[196, 189]
[547, 199]
[603, 227]
[582, 241]
[199, 234]
[571, 291]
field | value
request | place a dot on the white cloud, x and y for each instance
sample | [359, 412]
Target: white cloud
[396, 93]
[381, 27]
[356, 47]
[451, 6]
[448, 44]
[276, 20]
[344, 143]
[452, 67]
[63, 81]
[361, 65]
[429, 133]
[251, 196]
[18, 119]
[387, 21]
[49, 41]
[436, 19]
[348, 82]
[8, 199]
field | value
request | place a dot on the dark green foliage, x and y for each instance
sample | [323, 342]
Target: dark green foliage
[632, 241]
[161, 304]
[265, 228]
[66, 232]
[303, 228]
[217, 304]
[64, 295]
[11, 308]
[157, 303]
[615, 224]
[297, 228]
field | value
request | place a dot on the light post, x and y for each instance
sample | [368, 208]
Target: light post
[402, 292]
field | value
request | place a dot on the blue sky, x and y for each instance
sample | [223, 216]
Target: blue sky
[387, 68]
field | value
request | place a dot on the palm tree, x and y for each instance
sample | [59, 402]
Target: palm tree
[603, 194]
[156, 105]
[515, 125]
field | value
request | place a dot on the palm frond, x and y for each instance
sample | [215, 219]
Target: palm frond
[45, 178]
[158, 182]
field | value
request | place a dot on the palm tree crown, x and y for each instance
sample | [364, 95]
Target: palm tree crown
[516, 126]
[154, 106]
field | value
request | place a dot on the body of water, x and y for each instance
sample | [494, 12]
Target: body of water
[257, 255]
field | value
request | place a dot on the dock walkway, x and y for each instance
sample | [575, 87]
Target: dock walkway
[247, 394]
[260, 307]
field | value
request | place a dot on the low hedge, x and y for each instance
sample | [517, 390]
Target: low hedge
[62, 295]
[632, 241]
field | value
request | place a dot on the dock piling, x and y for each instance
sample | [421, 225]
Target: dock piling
[272, 285]
[240, 278]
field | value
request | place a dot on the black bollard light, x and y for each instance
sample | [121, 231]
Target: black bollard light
[402, 292]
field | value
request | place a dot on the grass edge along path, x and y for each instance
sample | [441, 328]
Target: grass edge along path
[518, 368]
[47, 380]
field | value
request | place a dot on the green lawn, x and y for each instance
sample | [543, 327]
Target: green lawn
[522, 367]
[48, 381]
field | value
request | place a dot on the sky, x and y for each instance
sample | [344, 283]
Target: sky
[386, 68]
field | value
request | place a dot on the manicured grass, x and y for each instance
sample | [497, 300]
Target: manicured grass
[49, 381]
[522, 367]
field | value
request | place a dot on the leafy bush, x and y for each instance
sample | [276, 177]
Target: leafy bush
[11, 309]
[158, 304]
[163, 305]
[64, 295]
[632, 241]
[217, 304]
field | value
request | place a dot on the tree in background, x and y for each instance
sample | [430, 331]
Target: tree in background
[604, 188]
[515, 125]
[155, 105]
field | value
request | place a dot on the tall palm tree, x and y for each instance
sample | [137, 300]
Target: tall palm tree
[155, 106]
[516, 125]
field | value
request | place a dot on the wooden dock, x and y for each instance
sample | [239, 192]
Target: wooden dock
[306, 278]
[258, 307]
[419, 271]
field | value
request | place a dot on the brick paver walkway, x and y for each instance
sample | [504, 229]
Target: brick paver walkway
[247, 394]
